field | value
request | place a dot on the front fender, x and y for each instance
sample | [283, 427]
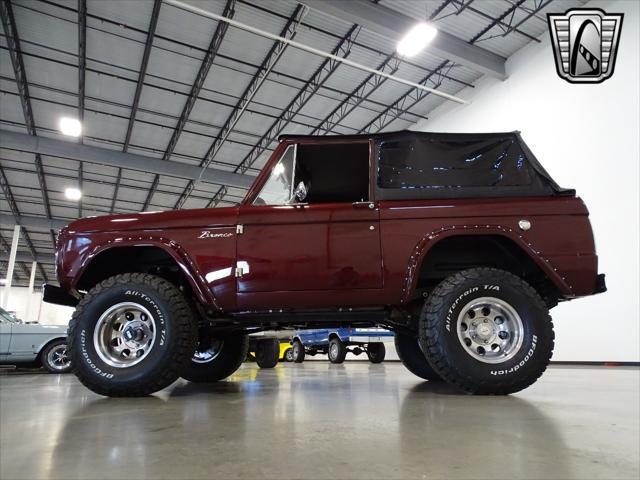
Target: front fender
[189, 268]
[428, 241]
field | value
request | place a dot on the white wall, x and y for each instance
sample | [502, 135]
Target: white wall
[587, 137]
[29, 307]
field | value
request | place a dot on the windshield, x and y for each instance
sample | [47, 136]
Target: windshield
[278, 190]
[6, 317]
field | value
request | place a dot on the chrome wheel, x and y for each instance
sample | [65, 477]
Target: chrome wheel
[333, 351]
[490, 330]
[124, 335]
[58, 357]
[209, 353]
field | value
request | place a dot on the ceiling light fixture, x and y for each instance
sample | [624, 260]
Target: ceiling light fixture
[70, 126]
[72, 194]
[416, 39]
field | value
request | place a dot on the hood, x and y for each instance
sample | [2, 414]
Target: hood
[204, 217]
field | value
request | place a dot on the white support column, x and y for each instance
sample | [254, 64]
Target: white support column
[30, 300]
[12, 264]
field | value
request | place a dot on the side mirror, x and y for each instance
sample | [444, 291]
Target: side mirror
[300, 192]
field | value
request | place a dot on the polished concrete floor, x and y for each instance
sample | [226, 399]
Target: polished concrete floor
[318, 420]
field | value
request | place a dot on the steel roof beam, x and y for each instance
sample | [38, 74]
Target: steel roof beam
[6, 190]
[34, 222]
[155, 13]
[23, 258]
[15, 53]
[205, 66]
[320, 76]
[365, 89]
[82, 68]
[114, 158]
[393, 24]
[413, 96]
[276, 51]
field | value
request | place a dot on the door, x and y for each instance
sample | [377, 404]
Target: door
[298, 245]
[5, 338]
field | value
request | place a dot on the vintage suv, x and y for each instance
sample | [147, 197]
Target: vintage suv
[459, 243]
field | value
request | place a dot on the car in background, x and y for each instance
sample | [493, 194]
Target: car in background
[337, 342]
[32, 343]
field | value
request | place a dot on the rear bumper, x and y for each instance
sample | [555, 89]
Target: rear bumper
[372, 339]
[58, 296]
[601, 285]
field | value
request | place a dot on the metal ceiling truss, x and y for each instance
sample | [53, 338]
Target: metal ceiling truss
[321, 75]
[357, 96]
[5, 257]
[6, 190]
[155, 13]
[82, 68]
[499, 20]
[212, 51]
[414, 96]
[276, 51]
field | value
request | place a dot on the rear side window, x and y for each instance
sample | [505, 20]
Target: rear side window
[433, 163]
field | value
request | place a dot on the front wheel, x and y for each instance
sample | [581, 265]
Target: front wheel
[55, 357]
[216, 358]
[131, 335]
[486, 331]
[298, 351]
[376, 352]
[337, 350]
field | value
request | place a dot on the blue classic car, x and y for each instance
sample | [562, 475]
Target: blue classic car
[336, 342]
[26, 343]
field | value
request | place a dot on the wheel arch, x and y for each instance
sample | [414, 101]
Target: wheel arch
[46, 344]
[159, 257]
[446, 251]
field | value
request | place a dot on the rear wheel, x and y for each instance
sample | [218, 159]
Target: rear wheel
[55, 357]
[298, 351]
[411, 356]
[217, 357]
[376, 352]
[268, 353]
[337, 350]
[131, 335]
[288, 355]
[486, 331]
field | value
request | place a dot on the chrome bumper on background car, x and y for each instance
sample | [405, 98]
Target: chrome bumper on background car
[361, 339]
[57, 295]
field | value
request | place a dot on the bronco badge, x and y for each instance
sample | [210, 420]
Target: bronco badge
[585, 44]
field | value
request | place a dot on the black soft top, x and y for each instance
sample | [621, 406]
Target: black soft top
[411, 164]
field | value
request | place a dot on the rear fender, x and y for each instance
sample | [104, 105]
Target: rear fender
[427, 242]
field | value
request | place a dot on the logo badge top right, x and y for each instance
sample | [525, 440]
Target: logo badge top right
[585, 44]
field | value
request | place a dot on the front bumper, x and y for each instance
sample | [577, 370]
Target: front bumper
[58, 296]
[601, 285]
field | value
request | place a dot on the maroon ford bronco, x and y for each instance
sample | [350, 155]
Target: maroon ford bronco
[459, 243]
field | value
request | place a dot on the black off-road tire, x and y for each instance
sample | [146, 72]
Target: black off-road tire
[445, 351]
[339, 350]
[376, 352]
[411, 356]
[235, 347]
[288, 355]
[44, 357]
[298, 351]
[172, 349]
[267, 353]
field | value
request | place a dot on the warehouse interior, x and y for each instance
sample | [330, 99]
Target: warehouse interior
[116, 107]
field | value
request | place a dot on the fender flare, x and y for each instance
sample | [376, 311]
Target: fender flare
[428, 241]
[172, 248]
